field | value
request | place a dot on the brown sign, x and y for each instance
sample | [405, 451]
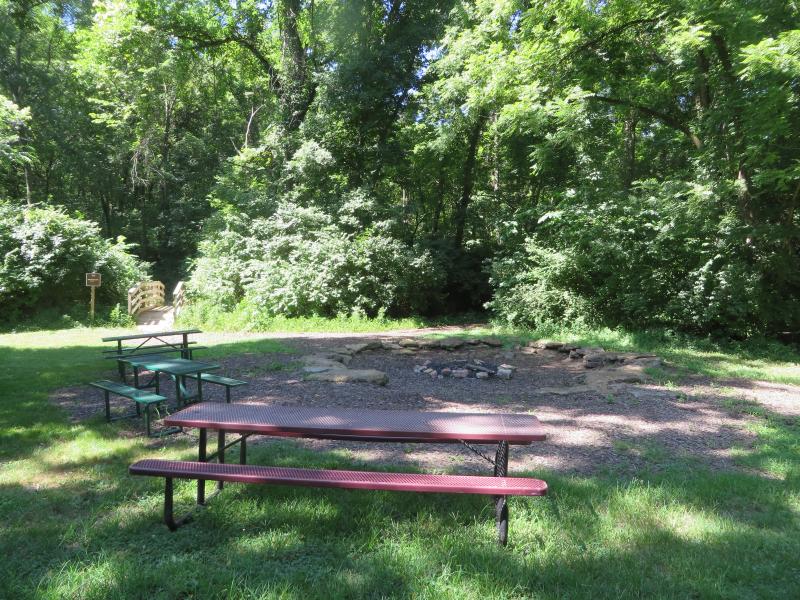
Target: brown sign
[93, 279]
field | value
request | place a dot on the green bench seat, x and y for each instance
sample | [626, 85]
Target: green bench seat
[220, 380]
[140, 397]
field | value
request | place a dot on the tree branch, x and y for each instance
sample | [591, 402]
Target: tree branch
[201, 39]
[665, 118]
[613, 31]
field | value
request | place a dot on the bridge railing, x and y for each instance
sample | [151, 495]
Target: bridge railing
[145, 295]
[179, 297]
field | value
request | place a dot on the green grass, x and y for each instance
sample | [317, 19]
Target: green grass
[74, 524]
[243, 318]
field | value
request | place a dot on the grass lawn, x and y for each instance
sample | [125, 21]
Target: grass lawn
[73, 524]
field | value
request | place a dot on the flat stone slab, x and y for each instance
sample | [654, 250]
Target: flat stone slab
[351, 376]
[321, 360]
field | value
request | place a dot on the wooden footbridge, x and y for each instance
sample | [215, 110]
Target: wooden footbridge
[147, 304]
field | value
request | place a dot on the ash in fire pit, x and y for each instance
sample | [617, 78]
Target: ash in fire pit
[464, 368]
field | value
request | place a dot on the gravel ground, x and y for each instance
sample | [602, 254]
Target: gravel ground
[620, 428]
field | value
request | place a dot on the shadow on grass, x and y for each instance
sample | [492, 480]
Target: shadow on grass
[592, 538]
[80, 527]
[29, 374]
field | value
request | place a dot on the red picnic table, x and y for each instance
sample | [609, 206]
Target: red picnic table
[357, 425]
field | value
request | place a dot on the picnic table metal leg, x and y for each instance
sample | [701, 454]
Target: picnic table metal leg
[178, 397]
[220, 452]
[501, 506]
[121, 365]
[243, 450]
[199, 387]
[108, 406]
[169, 515]
[201, 456]
[147, 419]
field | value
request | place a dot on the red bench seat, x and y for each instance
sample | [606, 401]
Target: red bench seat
[499, 487]
[364, 480]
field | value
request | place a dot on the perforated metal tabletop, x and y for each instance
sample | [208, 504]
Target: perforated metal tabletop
[361, 424]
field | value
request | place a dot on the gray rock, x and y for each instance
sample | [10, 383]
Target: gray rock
[581, 352]
[460, 373]
[451, 343]
[428, 344]
[362, 347]
[481, 374]
[320, 369]
[507, 367]
[326, 356]
[553, 345]
[504, 373]
[351, 376]
[409, 343]
[321, 360]
[491, 341]
[403, 352]
[592, 361]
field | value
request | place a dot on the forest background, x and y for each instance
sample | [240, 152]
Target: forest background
[579, 162]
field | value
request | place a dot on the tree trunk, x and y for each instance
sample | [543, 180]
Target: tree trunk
[299, 93]
[437, 210]
[27, 187]
[468, 181]
[741, 169]
[629, 162]
[105, 206]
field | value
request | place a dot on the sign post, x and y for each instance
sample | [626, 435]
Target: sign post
[93, 281]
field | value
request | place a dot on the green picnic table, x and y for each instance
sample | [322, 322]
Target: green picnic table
[150, 343]
[177, 368]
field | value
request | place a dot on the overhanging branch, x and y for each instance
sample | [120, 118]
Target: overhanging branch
[665, 118]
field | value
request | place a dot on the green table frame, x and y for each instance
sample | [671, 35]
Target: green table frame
[142, 339]
[178, 369]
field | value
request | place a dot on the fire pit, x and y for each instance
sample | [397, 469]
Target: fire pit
[463, 368]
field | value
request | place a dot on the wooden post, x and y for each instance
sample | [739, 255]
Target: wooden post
[93, 280]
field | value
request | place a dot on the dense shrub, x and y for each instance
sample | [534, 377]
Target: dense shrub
[299, 262]
[671, 254]
[45, 254]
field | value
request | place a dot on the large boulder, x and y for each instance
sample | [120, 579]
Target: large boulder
[351, 376]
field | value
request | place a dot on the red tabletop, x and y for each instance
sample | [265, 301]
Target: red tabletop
[361, 424]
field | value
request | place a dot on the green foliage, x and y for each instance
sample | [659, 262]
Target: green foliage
[298, 262]
[12, 120]
[668, 254]
[118, 317]
[437, 140]
[45, 256]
